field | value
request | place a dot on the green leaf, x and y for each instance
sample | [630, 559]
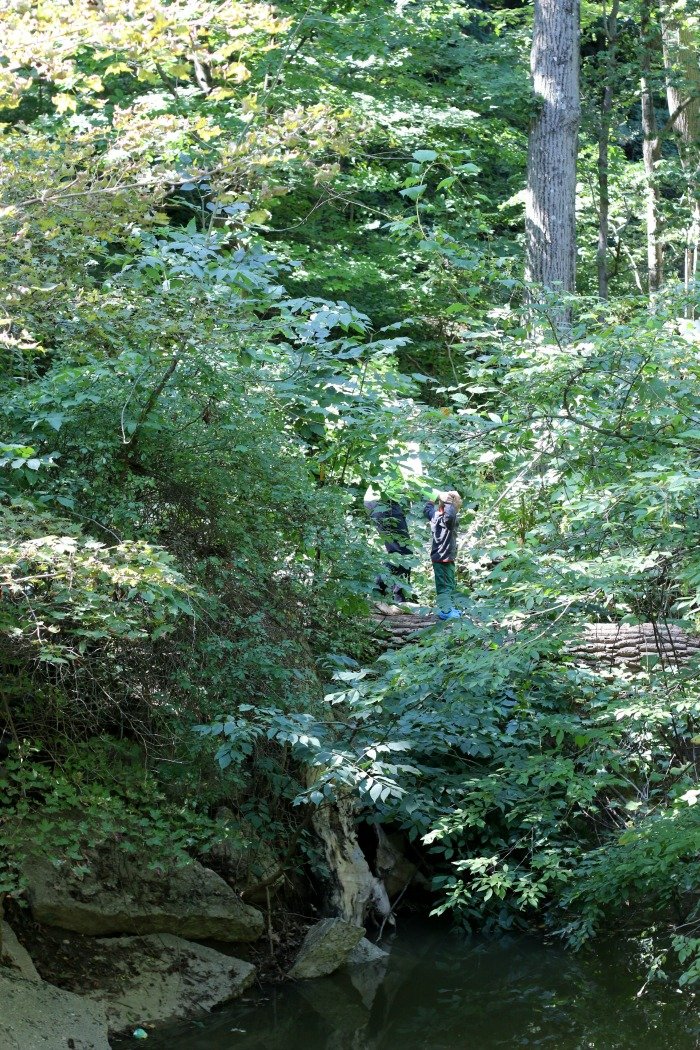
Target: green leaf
[413, 192]
[55, 419]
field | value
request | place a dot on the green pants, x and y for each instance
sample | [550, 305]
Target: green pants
[445, 584]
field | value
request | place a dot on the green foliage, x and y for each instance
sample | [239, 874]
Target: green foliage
[253, 257]
[65, 593]
[70, 811]
[539, 787]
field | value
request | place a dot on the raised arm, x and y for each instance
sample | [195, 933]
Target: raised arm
[449, 516]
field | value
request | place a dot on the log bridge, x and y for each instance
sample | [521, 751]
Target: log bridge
[605, 645]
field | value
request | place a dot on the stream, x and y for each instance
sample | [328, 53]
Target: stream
[440, 991]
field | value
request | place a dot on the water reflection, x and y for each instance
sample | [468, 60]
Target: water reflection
[439, 992]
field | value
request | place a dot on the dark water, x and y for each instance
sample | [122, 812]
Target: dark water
[441, 992]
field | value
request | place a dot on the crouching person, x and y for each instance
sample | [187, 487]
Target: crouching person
[390, 520]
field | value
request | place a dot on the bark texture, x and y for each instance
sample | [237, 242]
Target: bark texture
[550, 216]
[609, 645]
[355, 893]
[683, 97]
[603, 645]
[683, 81]
[606, 105]
[395, 627]
[651, 150]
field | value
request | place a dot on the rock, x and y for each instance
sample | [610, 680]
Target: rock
[365, 953]
[162, 978]
[326, 948]
[367, 965]
[15, 956]
[37, 1016]
[118, 896]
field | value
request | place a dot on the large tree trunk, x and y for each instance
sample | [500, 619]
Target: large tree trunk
[606, 105]
[683, 96]
[651, 151]
[356, 895]
[550, 217]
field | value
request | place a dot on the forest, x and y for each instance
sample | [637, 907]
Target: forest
[258, 258]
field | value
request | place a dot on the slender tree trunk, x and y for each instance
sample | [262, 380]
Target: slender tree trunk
[651, 151]
[550, 217]
[606, 105]
[683, 97]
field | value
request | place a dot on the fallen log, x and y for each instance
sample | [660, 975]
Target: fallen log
[604, 645]
[637, 646]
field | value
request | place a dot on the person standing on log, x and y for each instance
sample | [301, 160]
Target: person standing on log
[443, 514]
[390, 519]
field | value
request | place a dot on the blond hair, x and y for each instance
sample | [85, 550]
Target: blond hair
[452, 497]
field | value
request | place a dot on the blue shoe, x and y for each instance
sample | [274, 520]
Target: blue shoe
[453, 614]
[441, 615]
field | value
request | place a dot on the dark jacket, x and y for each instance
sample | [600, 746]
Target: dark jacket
[443, 525]
[391, 523]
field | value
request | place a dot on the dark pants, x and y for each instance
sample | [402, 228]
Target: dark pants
[401, 591]
[445, 584]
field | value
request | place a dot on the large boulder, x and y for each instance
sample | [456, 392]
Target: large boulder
[15, 956]
[121, 897]
[37, 1016]
[326, 948]
[367, 965]
[158, 979]
[366, 953]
